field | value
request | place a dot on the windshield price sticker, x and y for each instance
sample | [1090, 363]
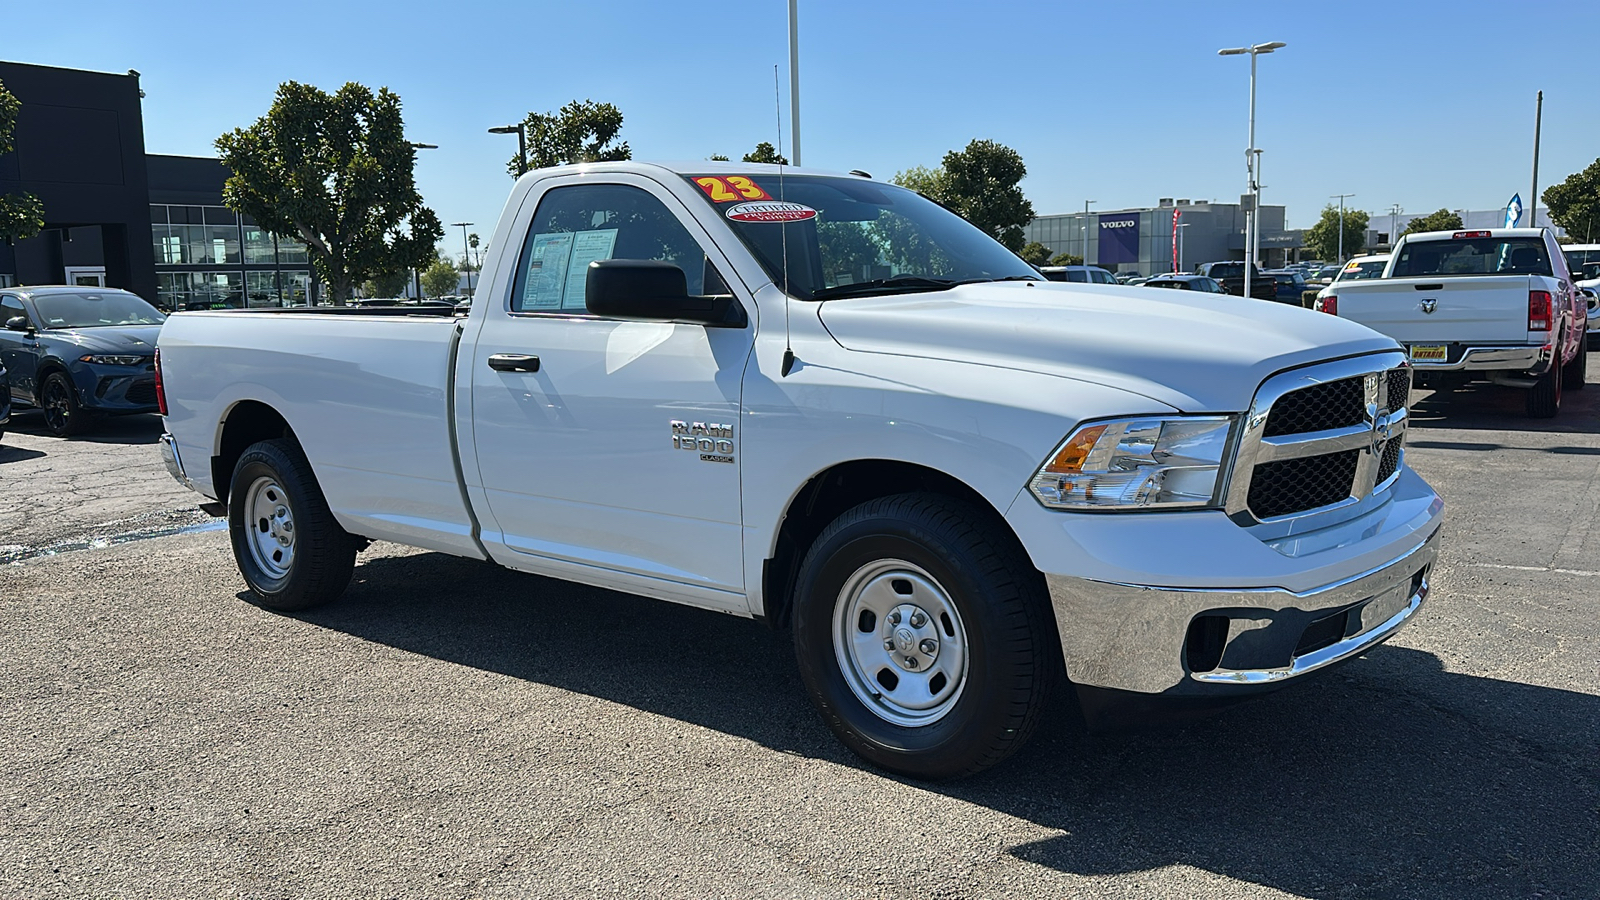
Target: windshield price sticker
[771, 211]
[728, 188]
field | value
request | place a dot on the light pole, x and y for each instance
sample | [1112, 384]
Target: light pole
[1086, 230]
[1181, 227]
[521, 131]
[416, 274]
[1253, 216]
[1341, 197]
[1395, 212]
[466, 252]
[794, 80]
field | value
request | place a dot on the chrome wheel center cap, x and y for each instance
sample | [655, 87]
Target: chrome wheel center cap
[912, 637]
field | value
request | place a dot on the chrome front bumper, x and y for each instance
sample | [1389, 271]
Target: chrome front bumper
[1513, 359]
[1142, 639]
[169, 455]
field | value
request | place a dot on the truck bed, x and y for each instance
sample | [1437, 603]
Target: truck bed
[382, 374]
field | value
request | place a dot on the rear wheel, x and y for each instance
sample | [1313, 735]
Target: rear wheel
[290, 550]
[1576, 371]
[923, 636]
[1544, 398]
[63, 415]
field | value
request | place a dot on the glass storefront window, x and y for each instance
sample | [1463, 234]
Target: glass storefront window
[258, 248]
[296, 288]
[291, 251]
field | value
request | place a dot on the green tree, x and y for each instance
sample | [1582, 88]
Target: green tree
[766, 153]
[1322, 239]
[386, 284]
[440, 278]
[1442, 220]
[981, 184]
[336, 172]
[1035, 254]
[21, 215]
[1066, 259]
[1574, 204]
[580, 132]
[717, 157]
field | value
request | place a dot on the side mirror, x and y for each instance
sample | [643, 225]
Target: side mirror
[652, 291]
[18, 323]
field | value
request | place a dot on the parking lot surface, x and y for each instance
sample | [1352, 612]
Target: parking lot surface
[450, 729]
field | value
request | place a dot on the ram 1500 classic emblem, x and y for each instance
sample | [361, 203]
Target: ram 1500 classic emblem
[1429, 305]
[712, 440]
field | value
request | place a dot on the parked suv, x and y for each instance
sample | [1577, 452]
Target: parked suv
[1079, 274]
[1231, 276]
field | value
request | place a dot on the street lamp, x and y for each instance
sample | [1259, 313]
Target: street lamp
[466, 252]
[521, 131]
[416, 273]
[1341, 222]
[1179, 262]
[1252, 218]
[1086, 231]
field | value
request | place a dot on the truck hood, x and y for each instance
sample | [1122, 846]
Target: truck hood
[127, 339]
[1192, 351]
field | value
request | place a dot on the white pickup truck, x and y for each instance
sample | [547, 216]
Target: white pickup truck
[1498, 304]
[827, 403]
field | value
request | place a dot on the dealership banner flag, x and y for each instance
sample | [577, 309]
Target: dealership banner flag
[1514, 211]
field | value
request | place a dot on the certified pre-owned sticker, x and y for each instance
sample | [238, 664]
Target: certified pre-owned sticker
[770, 211]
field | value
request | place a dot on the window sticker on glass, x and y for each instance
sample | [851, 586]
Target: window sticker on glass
[587, 246]
[726, 189]
[771, 211]
[547, 271]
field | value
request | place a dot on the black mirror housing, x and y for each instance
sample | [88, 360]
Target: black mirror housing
[18, 323]
[652, 291]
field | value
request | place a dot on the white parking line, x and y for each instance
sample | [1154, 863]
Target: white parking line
[1534, 569]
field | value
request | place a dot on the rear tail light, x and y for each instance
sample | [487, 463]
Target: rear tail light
[1329, 304]
[1470, 234]
[1540, 311]
[161, 391]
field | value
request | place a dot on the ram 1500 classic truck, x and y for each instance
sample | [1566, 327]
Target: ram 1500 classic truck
[1498, 304]
[828, 403]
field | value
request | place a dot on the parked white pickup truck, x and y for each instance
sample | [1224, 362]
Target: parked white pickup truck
[1498, 304]
[828, 403]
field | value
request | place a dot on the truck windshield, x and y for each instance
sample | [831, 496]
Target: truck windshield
[1473, 256]
[847, 236]
[95, 308]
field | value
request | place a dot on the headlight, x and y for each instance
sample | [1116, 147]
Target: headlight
[1144, 463]
[102, 360]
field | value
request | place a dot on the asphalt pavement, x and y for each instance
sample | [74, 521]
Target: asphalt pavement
[450, 729]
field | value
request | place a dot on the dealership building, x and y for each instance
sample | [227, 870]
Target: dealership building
[1144, 239]
[118, 217]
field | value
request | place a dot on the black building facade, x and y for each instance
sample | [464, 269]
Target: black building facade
[114, 216]
[80, 150]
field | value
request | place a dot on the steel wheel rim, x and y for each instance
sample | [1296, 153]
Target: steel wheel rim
[57, 405]
[269, 527]
[900, 643]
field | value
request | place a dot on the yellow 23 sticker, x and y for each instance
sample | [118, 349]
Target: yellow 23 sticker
[729, 188]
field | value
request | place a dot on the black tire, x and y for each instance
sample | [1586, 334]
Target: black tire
[64, 416]
[322, 555]
[1544, 398]
[1010, 647]
[1572, 378]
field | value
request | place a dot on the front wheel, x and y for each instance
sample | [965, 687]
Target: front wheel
[923, 636]
[64, 416]
[1575, 373]
[290, 550]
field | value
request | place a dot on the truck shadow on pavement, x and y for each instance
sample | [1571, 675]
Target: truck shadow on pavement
[1483, 406]
[1388, 777]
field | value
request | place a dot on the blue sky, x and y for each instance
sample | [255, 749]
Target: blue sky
[1424, 104]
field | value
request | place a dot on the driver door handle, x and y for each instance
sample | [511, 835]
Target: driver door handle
[513, 362]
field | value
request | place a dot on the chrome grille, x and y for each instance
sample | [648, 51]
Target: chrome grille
[1335, 404]
[1294, 485]
[1320, 436]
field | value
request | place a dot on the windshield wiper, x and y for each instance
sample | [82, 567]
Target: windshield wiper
[896, 285]
[1006, 278]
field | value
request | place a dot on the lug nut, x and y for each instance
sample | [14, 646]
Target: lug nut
[911, 662]
[894, 617]
[928, 646]
[888, 645]
[918, 620]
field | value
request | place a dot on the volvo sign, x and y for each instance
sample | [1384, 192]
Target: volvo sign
[1119, 238]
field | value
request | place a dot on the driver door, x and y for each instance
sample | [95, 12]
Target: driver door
[18, 351]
